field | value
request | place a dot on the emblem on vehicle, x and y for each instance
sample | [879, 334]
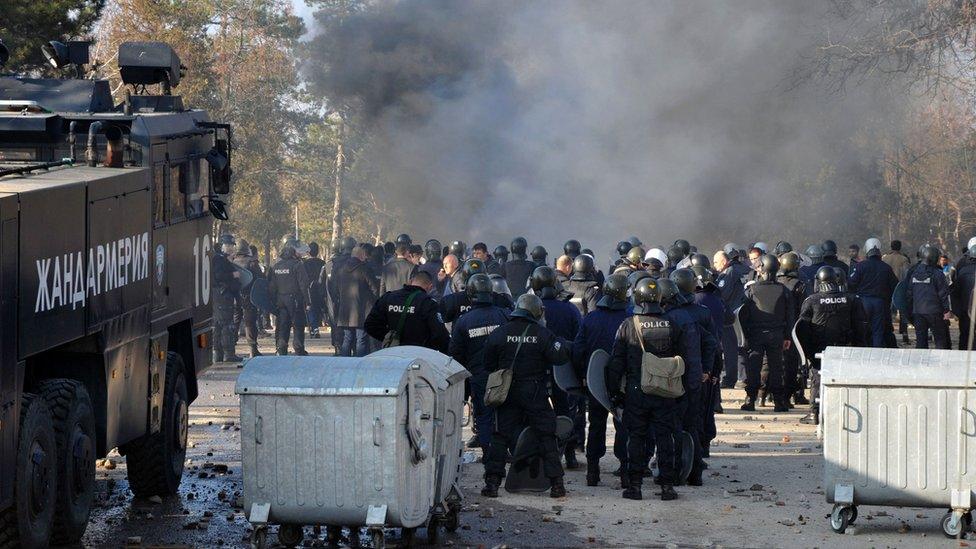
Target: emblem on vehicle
[160, 263]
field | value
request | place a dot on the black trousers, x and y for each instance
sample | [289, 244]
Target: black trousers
[791, 370]
[940, 331]
[527, 406]
[766, 344]
[690, 421]
[596, 442]
[965, 325]
[249, 318]
[644, 414]
[290, 317]
[815, 390]
[730, 350]
[225, 331]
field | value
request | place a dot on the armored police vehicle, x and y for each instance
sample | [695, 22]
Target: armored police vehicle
[106, 214]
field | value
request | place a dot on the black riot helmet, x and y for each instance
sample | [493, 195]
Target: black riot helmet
[583, 267]
[782, 247]
[815, 253]
[403, 238]
[587, 251]
[684, 246]
[700, 260]
[499, 285]
[636, 256]
[634, 241]
[539, 255]
[500, 253]
[472, 267]
[432, 249]
[931, 255]
[543, 277]
[623, 247]
[768, 266]
[226, 238]
[685, 280]
[615, 289]
[479, 288]
[243, 248]
[670, 294]
[636, 276]
[389, 248]
[840, 277]
[704, 275]
[674, 255]
[789, 263]
[529, 306]
[827, 279]
[287, 252]
[829, 248]
[347, 245]
[519, 245]
[572, 248]
[648, 296]
[458, 248]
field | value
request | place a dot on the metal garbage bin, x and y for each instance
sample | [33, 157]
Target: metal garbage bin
[350, 442]
[899, 429]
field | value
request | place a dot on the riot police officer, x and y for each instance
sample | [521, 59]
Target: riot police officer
[316, 306]
[288, 286]
[623, 248]
[468, 337]
[227, 291]
[789, 276]
[928, 301]
[651, 331]
[539, 256]
[829, 317]
[707, 295]
[572, 248]
[496, 266]
[458, 249]
[962, 294]
[583, 285]
[432, 251]
[829, 248]
[519, 268]
[408, 316]
[729, 282]
[597, 331]
[456, 304]
[766, 317]
[874, 282]
[530, 350]
[249, 311]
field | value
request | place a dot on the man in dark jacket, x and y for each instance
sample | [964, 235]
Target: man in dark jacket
[397, 272]
[531, 350]
[597, 331]
[928, 300]
[316, 304]
[356, 286]
[288, 289]
[411, 314]
[708, 296]
[249, 311]
[874, 282]
[583, 285]
[468, 337]
[651, 330]
[227, 291]
[789, 276]
[519, 268]
[962, 294]
[766, 317]
[729, 282]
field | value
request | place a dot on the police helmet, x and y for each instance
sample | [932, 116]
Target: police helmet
[472, 267]
[288, 239]
[762, 246]
[829, 248]
[731, 249]
[674, 255]
[479, 288]
[587, 251]
[499, 285]
[572, 248]
[700, 260]
[971, 246]
[827, 279]
[542, 277]
[539, 254]
[658, 254]
[634, 241]
[840, 276]
[648, 296]
[615, 288]
[403, 238]
[243, 248]
[623, 247]
[872, 247]
[684, 246]
[670, 293]
[432, 249]
[348, 244]
[769, 266]
[287, 252]
[636, 256]
[789, 262]
[458, 248]
[704, 275]
[529, 306]
[685, 280]
[782, 247]
[519, 244]
[636, 276]
[227, 238]
[583, 264]
[931, 255]
[501, 252]
[815, 253]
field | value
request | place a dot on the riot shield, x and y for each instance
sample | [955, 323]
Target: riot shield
[245, 277]
[686, 455]
[526, 474]
[800, 336]
[260, 296]
[899, 299]
[566, 378]
[596, 380]
[740, 335]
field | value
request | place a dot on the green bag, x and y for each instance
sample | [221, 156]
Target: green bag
[392, 338]
[500, 381]
[660, 376]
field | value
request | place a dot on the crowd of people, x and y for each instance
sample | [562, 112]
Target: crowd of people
[676, 325]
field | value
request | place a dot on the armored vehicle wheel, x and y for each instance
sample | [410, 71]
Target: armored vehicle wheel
[155, 461]
[959, 529]
[290, 535]
[74, 430]
[27, 523]
[840, 519]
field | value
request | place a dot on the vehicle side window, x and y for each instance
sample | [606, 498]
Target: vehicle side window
[159, 195]
[197, 171]
[177, 200]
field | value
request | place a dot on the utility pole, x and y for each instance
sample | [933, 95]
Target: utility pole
[340, 165]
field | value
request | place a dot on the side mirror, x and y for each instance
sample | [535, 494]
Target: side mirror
[220, 171]
[217, 208]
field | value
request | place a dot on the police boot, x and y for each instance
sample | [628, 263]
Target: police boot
[749, 405]
[762, 398]
[668, 493]
[799, 398]
[558, 489]
[492, 483]
[780, 404]
[592, 472]
[695, 478]
[633, 490]
[571, 461]
[254, 351]
[232, 358]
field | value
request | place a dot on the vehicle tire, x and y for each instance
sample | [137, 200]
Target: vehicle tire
[155, 461]
[290, 535]
[27, 523]
[74, 430]
[840, 519]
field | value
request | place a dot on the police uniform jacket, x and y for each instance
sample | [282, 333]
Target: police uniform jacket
[873, 277]
[396, 273]
[453, 306]
[470, 334]
[962, 287]
[597, 331]
[768, 306]
[422, 324]
[223, 275]
[928, 291]
[832, 318]
[313, 270]
[663, 336]
[517, 273]
[797, 288]
[706, 330]
[540, 350]
[721, 316]
[562, 317]
[730, 283]
[287, 280]
[586, 293]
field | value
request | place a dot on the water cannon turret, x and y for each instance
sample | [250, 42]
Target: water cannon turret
[148, 63]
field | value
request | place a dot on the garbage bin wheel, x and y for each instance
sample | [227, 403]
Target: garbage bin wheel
[290, 535]
[963, 526]
[453, 518]
[379, 540]
[840, 519]
[853, 514]
[259, 538]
